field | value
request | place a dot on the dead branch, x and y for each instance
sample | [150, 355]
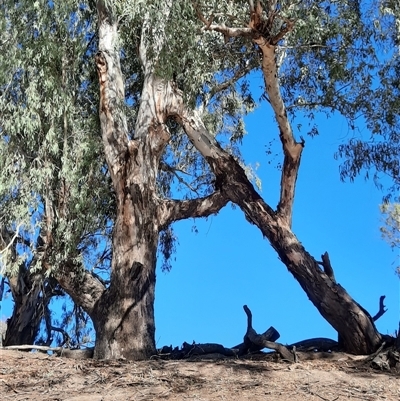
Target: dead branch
[26, 347]
[326, 264]
[261, 341]
[382, 309]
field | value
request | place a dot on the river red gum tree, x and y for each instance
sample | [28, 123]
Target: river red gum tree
[123, 313]
[353, 323]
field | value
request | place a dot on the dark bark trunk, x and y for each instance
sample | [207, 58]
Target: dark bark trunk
[23, 325]
[31, 295]
[124, 315]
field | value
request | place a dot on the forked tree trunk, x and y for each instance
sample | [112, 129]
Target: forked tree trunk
[124, 315]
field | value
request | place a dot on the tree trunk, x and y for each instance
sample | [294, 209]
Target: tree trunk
[24, 323]
[124, 316]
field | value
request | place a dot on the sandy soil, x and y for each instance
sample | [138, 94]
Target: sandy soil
[39, 377]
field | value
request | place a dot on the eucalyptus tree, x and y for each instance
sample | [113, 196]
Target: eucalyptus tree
[55, 185]
[343, 58]
[55, 202]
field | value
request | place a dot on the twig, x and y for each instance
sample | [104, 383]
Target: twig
[12, 240]
[323, 398]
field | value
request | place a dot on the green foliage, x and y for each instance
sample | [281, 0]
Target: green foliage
[50, 154]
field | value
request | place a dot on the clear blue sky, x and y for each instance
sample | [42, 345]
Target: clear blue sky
[228, 263]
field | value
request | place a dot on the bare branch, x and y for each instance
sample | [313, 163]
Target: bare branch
[292, 150]
[326, 264]
[382, 309]
[226, 84]
[174, 210]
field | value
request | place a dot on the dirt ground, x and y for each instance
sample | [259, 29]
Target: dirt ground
[39, 377]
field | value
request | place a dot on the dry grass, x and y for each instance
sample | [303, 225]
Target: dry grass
[39, 377]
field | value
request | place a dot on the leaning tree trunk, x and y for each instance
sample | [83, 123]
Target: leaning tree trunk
[352, 322]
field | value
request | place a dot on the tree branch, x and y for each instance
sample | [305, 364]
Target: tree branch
[3, 242]
[260, 31]
[174, 210]
[292, 150]
[326, 264]
[221, 28]
[226, 84]
[112, 93]
[174, 171]
[382, 309]
[80, 285]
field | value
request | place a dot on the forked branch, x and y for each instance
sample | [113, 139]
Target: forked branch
[262, 30]
[382, 309]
